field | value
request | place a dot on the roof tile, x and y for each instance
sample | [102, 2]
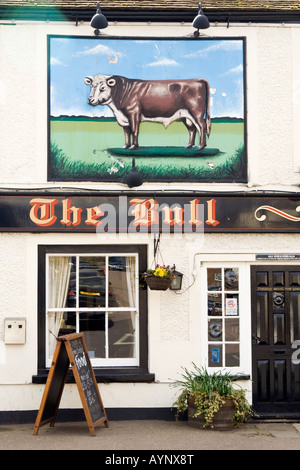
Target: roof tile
[183, 5]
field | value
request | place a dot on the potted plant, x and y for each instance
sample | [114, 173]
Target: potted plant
[212, 400]
[159, 278]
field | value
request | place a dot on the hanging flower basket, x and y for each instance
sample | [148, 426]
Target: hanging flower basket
[158, 283]
[159, 278]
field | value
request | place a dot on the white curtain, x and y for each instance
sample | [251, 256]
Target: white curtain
[131, 288]
[58, 283]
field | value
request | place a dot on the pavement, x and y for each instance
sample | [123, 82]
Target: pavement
[149, 439]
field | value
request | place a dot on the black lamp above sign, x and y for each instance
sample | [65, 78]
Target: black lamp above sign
[98, 21]
[133, 178]
[200, 22]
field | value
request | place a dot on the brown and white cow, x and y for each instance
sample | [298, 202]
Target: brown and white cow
[164, 101]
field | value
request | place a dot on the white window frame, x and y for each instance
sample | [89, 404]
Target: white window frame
[244, 316]
[97, 362]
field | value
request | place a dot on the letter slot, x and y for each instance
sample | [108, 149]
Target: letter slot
[277, 352]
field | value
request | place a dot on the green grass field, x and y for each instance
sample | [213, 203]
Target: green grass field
[91, 150]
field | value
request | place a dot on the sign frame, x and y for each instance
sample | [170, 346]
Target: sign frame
[98, 212]
[162, 151]
[62, 359]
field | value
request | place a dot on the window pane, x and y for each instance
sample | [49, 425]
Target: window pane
[232, 330]
[232, 305]
[215, 330]
[231, 278]
[71, 296]
[215, 355]
[122, 281]
[214, 304]
[121, 334]
[93, 326]
[232, 355]
[214, 279]
[57, 292]
[92, 282]
[58, 280]
[97, 294]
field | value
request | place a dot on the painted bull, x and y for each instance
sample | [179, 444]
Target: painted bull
[164, 101]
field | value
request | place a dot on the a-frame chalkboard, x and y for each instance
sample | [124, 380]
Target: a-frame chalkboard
[71, 349]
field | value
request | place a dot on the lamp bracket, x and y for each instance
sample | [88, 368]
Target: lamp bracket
[156, 242]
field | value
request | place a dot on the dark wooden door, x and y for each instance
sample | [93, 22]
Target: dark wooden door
[275, 299]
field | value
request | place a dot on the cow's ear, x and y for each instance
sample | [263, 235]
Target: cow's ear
[88, 80]
[111, 82]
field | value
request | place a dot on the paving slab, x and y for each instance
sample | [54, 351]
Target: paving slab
[149, 435]
[280, 430]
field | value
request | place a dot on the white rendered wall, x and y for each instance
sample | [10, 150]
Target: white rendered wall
[273, 118]
[174, 320]
[273, 77]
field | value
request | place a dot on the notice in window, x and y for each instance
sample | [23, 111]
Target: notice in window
[231, 307]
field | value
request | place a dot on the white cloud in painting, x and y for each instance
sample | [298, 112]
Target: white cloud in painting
[163, 62]
[221, 46]
[55, 61]
[99, 50]
[234, 71]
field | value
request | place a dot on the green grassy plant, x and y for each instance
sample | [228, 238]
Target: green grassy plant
[209, 391]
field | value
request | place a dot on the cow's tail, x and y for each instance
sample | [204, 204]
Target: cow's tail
[207, 119]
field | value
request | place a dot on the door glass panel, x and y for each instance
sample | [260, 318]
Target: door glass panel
[214, 279]
[223, 312]
[232, 355]
[232, 329]
[215, 330]
[231, 278]
[215, 353]
[231, 304]
[214, 304]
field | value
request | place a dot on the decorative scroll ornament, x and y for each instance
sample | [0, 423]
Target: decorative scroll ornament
[278, 212]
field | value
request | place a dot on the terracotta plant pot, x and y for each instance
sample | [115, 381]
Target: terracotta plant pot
[158, 283]
[222, 421]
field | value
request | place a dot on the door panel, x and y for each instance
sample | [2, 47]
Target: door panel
[262, 318]
[275, 299]
[295, 315]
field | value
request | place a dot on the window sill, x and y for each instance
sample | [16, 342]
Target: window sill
[105, 375]
[236, 378]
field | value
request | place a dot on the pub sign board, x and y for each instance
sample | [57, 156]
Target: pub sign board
[176, 105]
[189, 213]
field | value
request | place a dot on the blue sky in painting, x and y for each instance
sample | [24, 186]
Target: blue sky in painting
[220, 61]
